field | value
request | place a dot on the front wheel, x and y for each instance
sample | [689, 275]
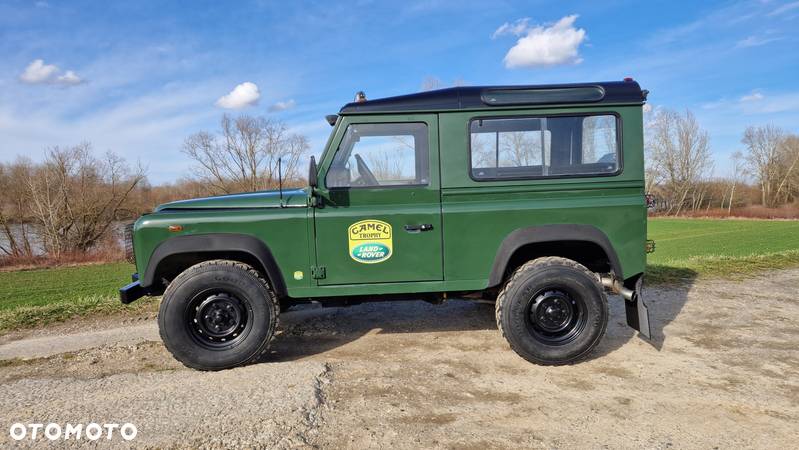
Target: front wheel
[552, 311]
[217, 315]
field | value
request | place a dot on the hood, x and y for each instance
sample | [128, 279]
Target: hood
[260, 199]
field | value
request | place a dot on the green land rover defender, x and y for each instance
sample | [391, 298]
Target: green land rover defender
[529, 196]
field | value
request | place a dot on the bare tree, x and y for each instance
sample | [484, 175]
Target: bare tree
[506, 149]
[762, 144]
[483, 153]
[680, 155]
[386, 165]
[15, 228]
[243, 157]
[735, 178]
[520, 148]
[789, 162]
[431, 83]
[599, 134]
[75, 197]
[652, 176]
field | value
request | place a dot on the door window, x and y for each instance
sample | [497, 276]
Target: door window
[379, 155]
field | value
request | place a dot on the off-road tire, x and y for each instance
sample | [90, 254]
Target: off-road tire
[539, 277]
[239, 280]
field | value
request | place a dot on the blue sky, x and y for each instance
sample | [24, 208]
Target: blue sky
[138, 77]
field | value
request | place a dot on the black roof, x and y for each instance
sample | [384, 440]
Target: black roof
[479, 97]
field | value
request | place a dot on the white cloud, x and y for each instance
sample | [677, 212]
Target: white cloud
[516, 28]
[784, 8]
[753, 97]
[755, 41]
[647, 108]
[282, 106]
[775, 104]
[150, 126]
[544, 46]
[38, 72]
[757, 103]
[243, 95]
[69, 78]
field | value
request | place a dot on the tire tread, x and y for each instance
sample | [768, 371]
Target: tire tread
[539, 263]
[272, 302]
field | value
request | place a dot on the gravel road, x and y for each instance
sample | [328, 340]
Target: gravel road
[722, 371]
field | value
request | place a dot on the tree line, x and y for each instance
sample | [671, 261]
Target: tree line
[679, 166]
[69, 202]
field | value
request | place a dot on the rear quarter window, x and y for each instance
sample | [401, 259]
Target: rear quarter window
[544, 147]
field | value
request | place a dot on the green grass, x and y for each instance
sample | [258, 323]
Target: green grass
[690, 248]
[36, 297]
[686, 249]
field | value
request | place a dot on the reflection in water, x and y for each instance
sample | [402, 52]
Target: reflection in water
[36, 241]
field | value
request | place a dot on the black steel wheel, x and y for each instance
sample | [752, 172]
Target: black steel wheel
[218, 319]
[217, 315]
[552, 311]
[555, 316]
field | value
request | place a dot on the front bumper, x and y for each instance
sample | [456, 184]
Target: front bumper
[132, 291]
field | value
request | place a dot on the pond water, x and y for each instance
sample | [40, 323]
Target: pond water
[117, 228]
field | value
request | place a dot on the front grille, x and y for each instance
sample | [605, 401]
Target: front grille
[130, 255]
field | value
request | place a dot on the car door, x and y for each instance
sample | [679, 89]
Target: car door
[380, 219]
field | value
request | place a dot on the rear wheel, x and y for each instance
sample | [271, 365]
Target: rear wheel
[552, 311]
[218, 314]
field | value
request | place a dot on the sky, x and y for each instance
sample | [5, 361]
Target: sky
[139, 77]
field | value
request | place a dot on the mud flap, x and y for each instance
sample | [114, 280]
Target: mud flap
[637, 312]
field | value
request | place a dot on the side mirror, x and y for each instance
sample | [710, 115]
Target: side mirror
[312, 181]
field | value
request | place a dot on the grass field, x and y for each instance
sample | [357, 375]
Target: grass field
[34, 297]
[686, 249]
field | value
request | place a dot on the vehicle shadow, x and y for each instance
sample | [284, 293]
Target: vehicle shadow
[665, 299]
[309, 330]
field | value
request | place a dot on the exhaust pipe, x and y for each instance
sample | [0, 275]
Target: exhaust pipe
[634, 306]
[615, 286]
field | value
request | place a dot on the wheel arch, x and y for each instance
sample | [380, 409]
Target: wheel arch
[585, 244]
[177, 254]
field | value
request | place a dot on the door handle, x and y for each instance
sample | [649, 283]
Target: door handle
[418, 228]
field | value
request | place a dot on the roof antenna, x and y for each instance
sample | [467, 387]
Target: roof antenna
[360, 97]
[280, 180]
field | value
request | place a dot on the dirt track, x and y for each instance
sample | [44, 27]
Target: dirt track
[723, 372]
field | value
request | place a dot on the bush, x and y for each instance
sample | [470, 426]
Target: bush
[745, 212]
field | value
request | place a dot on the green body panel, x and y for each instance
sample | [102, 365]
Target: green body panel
[470, 218]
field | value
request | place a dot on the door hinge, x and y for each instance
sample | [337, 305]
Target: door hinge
[318, 272]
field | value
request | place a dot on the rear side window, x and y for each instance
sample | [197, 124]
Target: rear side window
[381, 154]
[540, 147]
